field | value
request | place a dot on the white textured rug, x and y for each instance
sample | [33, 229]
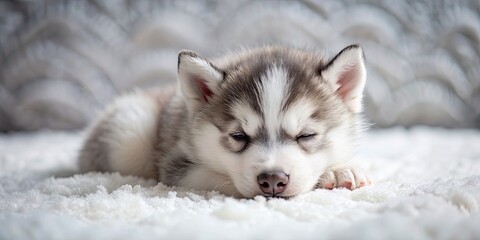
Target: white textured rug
[427, 186]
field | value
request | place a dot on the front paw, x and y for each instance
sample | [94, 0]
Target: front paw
[350, 177]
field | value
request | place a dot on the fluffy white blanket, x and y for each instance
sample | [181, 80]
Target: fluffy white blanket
[427, 186]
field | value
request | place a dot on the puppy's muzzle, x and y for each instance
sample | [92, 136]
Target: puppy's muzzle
[272, 183]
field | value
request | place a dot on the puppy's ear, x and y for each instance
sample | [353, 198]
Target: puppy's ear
[198, 79]
[346, 72]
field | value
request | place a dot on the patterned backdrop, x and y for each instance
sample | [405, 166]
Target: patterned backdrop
[62, 61]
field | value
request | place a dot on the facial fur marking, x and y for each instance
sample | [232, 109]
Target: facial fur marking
[271, 109]
[297, 116]
[274, 85]
[262, 137]
[248, 118]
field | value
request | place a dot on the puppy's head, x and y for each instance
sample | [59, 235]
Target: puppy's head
[271, 119]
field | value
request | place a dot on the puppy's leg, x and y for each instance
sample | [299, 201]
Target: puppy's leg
[123, 139]
[347, 176]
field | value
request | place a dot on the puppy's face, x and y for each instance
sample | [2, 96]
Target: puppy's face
[270, 120]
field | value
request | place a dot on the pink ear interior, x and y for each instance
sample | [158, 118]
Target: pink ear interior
[203, 88]
[347, 81]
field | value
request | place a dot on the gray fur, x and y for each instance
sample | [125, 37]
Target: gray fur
[241, 84]
[94, 153]
[175, 154]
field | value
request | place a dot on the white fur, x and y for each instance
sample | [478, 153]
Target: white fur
[206, 178]
[341, 174]
[132, 135]
[221, 162]
[304, 170]
[132, 129]
[274, 93]
[249, 119]
[243, 169]
[207, 137]
[297, 118]
[351, 62]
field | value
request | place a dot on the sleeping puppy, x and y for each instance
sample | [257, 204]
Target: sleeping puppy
[271, 121]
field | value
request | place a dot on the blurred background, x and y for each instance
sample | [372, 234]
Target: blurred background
[62, 61]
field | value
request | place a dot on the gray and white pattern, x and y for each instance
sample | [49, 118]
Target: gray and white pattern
[61, 61]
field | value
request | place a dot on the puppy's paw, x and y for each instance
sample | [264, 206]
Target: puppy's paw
[350, 177]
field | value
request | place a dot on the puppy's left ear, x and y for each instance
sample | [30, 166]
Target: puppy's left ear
[198, 79]
[346, 72]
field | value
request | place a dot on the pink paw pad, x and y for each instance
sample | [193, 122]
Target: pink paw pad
[347, 185]
[329, 186]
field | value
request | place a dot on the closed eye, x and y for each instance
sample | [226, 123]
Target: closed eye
[240, 141]
[306, 136]
[240, 136]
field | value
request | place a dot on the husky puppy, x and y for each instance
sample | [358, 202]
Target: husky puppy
[271, 121]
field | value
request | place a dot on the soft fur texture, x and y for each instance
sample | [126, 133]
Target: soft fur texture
[266, 111]
[427, 186]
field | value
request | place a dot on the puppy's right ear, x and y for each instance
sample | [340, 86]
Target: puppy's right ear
[198, 79]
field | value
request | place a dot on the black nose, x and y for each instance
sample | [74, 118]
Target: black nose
[272, 183]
